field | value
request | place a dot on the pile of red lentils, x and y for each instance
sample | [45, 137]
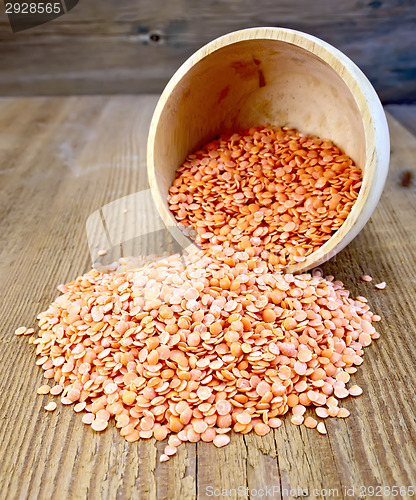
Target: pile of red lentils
[224, 340]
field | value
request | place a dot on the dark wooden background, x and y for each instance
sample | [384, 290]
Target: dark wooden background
[130, 47]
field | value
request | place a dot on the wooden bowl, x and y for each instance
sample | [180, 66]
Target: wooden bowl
[277, 76]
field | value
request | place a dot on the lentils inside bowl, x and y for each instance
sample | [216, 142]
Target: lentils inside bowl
[273, 188]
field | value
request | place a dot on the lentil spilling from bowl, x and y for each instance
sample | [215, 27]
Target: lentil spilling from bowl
[193, 347]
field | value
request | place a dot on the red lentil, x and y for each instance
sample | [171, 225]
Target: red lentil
[343, 413]
[20, 331]
[321, 428]
[355, 390]
[51, 406]
[44, 389]
[310, 422]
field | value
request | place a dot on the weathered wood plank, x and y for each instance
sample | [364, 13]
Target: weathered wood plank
[61, 159]
[58, 165]
[405, 114]
[135, 47]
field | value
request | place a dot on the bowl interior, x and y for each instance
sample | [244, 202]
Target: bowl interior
[248, 83]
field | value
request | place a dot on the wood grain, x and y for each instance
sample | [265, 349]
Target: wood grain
[61, 159]
[405, 114]
[105, 47]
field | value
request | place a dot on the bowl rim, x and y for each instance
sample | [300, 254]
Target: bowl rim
[377, 141]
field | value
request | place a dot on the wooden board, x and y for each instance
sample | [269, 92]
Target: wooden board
[405, 114]
[105, 47]
[62, 159]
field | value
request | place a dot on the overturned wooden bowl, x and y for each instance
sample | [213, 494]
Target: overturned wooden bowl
[277, 76]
